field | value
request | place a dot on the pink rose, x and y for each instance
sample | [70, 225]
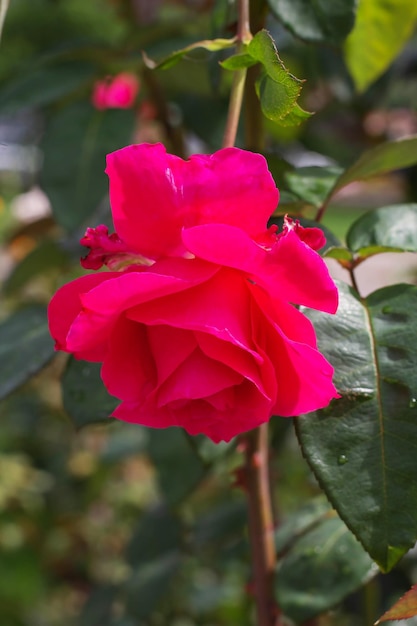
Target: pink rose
[194, 323]
[118, 92]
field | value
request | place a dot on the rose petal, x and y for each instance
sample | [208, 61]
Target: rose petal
[301, 274]
[197, 377]
[154, 194]
[219, 307]
[170, 347]
[103, 305]
[128, 370]
[304, 376]
[66, 305]
[291, 269]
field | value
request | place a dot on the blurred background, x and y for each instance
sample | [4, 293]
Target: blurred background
[103, 523]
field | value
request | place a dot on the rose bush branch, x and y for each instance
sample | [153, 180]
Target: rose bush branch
[261, 523]
[243, 36]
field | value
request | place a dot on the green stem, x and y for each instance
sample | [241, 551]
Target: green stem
[261, 524]
[238, 86]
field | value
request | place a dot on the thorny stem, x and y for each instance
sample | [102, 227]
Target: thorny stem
[243, 36]
[261, 524]
[255, 443]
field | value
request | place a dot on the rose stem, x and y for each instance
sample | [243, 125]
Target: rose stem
[255, 443]
[243, 35]
[261, 523]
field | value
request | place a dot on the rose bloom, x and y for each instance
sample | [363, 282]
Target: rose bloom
[118, 92]
[195, 322]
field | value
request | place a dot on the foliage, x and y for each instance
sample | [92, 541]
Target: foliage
[111, 524]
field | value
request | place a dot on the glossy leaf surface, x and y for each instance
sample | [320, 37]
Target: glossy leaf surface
[319, 21]
[362, 447]
[390, 226]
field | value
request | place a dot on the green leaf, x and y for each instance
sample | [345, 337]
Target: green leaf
[46, 256]
[381, 29]
[324, 566]
[84, 396]
[97, 611]
[318, 21]
[212, 45]
[45, 85]
[225, 522]
[159, 532]
[150, 583]
[25, 346]
[75, 145]
[386, 157]
[299, 523]
[338, 253]
[312, 184]
[390, 227]
[238, 61]
[277, 89]
[177, 462]
[362, 447]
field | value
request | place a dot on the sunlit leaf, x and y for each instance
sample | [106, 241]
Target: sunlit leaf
[319, 21]
[25, 346]
[4, 5]
[212, 45]
[362, 447]
[381, 29]
[277, 88]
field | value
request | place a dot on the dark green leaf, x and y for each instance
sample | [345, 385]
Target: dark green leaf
[324, 566]
[362, 447]
[312, 184]
[25, 346]
[386, 157]
[4, 5]
[97, 611]
[222, 523]
[75, 145]
[178, 464]
[150, 584]
[84, 396]
[390, 226]
[46, 256]
[382, 28]
[318, 21]
[159, 532]
[45, 85]
[124, 440]
[300, 522]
